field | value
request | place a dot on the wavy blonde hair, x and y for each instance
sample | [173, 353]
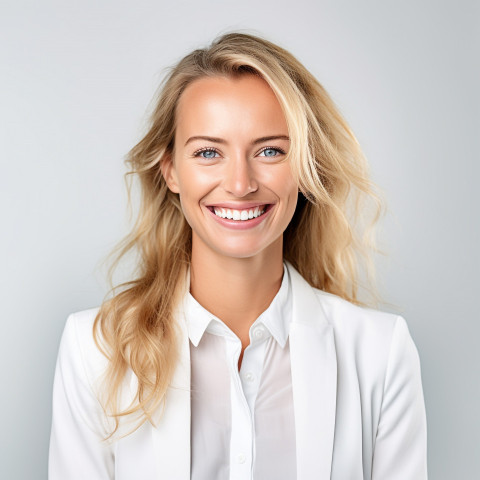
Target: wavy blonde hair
[329, 240]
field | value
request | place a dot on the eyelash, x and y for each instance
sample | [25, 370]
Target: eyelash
[213, 149]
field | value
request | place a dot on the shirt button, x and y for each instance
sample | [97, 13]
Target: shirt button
[241, 458]
[258, 333]
[249, 377]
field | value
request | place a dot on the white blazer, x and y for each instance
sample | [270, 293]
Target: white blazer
[357, 392]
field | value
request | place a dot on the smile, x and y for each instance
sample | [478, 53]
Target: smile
[240, 219]
[239, 215]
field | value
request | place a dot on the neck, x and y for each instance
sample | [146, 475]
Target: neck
[236, 290]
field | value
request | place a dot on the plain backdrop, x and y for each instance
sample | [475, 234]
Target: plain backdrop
[76, 80]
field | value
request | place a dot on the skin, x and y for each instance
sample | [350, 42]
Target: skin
[235, 274]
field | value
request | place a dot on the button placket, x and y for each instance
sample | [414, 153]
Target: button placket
[242, 433]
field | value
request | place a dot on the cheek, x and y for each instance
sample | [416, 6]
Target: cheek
[292, 201]
[289, 192]
[195, 183]
[281, 181]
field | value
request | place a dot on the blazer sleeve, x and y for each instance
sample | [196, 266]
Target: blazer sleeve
[77, 446]
[401, 441]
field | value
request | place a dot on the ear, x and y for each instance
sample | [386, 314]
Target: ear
[169, 173]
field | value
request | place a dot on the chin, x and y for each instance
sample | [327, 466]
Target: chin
[244, 249]
[239, 252]
[229, 246]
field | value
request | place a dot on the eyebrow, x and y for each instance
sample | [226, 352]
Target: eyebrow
[222, 141]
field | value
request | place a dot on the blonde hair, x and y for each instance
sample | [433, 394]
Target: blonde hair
[329, 241]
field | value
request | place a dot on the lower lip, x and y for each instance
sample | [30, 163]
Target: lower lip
[241, 224]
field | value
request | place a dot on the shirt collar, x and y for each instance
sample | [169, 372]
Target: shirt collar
[276, 318]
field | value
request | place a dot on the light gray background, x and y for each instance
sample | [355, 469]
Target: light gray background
[76, 79]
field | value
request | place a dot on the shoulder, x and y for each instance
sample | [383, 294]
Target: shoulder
[79, 328]
[359, 332]
[78, 350]
[376, 340]
[345, 316]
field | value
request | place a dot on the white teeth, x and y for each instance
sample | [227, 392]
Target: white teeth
[240, 215]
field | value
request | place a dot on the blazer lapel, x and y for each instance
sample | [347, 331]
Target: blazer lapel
[171, 436]
[314, 381]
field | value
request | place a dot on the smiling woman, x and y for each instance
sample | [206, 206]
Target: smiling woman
[243, 175]
[242, 349]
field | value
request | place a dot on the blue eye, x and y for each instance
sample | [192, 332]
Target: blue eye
[272, 152]
[210, 153]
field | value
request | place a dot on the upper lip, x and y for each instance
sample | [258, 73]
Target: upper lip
[237, 206]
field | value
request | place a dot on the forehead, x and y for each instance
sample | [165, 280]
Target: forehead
[223, 105]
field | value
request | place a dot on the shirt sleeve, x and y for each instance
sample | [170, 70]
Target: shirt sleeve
[77, 446]
[401, 441]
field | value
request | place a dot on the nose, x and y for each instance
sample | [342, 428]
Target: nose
[239, 177]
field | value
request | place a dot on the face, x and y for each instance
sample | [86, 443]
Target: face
[236, 191]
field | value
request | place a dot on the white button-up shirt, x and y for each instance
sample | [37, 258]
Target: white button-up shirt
[242, 422]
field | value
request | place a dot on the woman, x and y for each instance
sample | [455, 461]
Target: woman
[241, 349]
